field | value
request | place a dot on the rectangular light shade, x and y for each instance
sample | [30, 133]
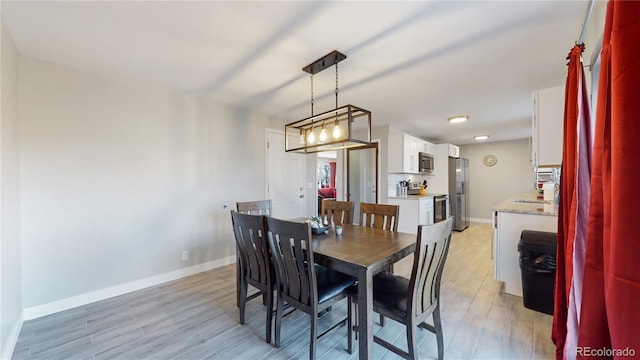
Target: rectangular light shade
[306, 135]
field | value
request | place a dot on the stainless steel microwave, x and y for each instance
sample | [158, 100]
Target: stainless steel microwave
[425, 163]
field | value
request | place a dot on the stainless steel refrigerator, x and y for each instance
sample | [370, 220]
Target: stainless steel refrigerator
[458, 186]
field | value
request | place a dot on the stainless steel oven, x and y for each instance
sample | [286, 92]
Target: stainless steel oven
[440, 207]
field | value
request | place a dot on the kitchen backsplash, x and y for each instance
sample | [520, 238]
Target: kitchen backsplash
[394, 179]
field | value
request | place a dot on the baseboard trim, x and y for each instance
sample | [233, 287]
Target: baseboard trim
[102, 294]
[7, 351]
[479, 220]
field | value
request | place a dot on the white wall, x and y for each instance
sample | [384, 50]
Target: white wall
[10, 267]
[118, 178]
[490, 185]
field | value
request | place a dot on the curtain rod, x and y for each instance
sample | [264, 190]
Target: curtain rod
[585, 25]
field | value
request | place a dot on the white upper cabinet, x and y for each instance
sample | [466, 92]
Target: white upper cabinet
[548, 122]
[454, 151]
[429, 148]
[403, 152]
[410, 156]
[396, 152]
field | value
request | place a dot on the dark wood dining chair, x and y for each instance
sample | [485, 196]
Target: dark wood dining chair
[256, 267]
[411, 301]
[336, 212]
[379, 216]
[300, 282]
[259, 207]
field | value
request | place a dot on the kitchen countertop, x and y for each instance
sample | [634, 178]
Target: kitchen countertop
[528, 203]
[415, 197]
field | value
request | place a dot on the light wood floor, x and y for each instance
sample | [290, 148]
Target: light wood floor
[196, 318]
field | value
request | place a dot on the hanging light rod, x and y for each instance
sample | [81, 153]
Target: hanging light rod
[324, 62]
[351, 124]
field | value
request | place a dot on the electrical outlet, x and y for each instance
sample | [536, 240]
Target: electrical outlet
[185, 255]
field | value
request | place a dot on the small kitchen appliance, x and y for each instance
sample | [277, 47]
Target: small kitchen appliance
[414, 188]
[426, 163]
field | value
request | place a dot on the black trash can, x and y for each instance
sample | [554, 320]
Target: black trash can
[538, 268]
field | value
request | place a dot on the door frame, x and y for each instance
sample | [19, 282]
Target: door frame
[373, 145]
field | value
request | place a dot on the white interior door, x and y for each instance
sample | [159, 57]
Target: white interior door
[285, 179]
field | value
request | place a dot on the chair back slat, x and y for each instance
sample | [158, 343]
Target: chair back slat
[290, 244]
[260, 207]
[250, 233]
[336, 212]
[379, 216]
[429, 258]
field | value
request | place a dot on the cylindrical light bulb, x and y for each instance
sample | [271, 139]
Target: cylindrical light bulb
[336, 131]
[323, 134]
[301, 136]
[312, 137]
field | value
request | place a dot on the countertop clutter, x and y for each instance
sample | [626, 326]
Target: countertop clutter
[528, 203]
[416, 197]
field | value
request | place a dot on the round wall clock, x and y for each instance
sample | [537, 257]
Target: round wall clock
[490, 160]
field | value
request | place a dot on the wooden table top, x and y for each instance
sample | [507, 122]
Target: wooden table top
[362, 247]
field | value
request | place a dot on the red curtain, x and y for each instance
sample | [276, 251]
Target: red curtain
[574, 208]
[332, 174]
[610, 314]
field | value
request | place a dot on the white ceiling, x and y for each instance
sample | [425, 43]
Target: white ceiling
[412, 64]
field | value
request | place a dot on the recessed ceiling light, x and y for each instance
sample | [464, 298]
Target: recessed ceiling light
[481, 137]
[458, 119]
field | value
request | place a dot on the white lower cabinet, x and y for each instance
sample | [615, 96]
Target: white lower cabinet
[426, 211]
[413, 212]
[507, 227]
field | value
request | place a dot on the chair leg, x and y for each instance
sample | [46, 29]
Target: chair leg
[411, 340]
[279, 312]
[437, 323]
[237, 281]
[243, 298]
[354, 306]
[350, 325]
[269, 297]
[381, 320]
[314, 336]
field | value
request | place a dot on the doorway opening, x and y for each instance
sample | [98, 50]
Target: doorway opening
[362, 176]
[326, 171]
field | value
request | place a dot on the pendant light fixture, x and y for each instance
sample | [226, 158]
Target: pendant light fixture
[351, 124]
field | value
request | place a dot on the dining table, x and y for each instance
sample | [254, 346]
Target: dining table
[362, 252]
